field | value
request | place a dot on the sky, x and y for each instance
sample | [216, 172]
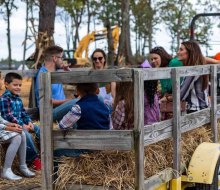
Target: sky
[18, 31]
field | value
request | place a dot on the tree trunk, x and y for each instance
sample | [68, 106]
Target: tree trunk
[110, 44]
[45, 28]
[89, 16]
[125, 45]
[47, 16]
[9, 35]
[26, 33]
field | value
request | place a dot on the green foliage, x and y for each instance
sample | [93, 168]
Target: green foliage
[71, 6]
[176, 15]
[108, 11]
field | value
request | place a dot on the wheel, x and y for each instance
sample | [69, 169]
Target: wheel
[216, 178]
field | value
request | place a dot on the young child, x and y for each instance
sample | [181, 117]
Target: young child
[89, 113]
[123, 110]
[12, 110]
[12, 133]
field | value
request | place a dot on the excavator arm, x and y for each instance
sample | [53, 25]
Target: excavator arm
[94, 36]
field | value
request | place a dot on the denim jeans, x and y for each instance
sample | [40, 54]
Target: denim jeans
[63, 109]
[32, 151]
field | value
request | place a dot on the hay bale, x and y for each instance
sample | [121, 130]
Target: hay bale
[116, 168]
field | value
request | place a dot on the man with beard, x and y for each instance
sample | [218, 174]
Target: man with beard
[52, 62]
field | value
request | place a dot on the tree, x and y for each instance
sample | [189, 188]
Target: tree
[176, 15]
[145, 20]
[45, 28]
[8, 7]
[124, 42]
[75, 8]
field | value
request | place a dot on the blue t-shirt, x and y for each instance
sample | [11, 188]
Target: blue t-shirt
[57, 89]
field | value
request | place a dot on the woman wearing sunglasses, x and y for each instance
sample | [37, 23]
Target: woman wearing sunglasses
[106, 90]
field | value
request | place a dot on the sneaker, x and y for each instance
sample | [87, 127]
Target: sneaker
[8, 174]
[25, 171]
[36, 164]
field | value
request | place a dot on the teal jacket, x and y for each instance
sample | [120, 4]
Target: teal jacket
[166, 84]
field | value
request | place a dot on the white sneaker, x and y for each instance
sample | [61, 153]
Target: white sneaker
[25, 171]
[8, 174]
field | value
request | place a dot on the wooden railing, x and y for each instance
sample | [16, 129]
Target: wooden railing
[135, 139]
[128, 139]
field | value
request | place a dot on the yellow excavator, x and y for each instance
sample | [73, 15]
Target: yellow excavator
[76, 59]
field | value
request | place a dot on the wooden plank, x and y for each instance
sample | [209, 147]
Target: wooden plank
[138, 130]
[33, 97]
[163, 73]
[194, 70]
[163, 130]
[25, 73]
[176, 123]
[94, 139]
[157, 132]
[106, 75]
[214, 124]
[155, 181]
[46, 131]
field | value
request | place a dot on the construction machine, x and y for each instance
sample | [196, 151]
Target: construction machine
[76, 59]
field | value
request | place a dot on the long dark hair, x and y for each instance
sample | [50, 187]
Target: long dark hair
[165, 57]
[150, 89]
[195, 57]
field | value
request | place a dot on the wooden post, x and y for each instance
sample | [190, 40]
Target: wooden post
[33, 92]
[213, 117]
[46, 121]
[138, 129]
[176, 123]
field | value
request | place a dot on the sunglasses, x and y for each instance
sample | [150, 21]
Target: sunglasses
[97, 58]
[157, 48]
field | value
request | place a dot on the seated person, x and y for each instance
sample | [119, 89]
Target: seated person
[12, 110]
[52, 62]
[12, 133]
[89, 112]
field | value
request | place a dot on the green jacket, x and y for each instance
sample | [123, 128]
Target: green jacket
[166, 84]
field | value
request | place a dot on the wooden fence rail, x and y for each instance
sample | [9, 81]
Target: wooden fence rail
[135, 139]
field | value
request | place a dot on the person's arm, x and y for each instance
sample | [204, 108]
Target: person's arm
[24, 115]
[209, 60]
[6, 111]
[119, 116]
[113, 90]
[13, 127]
[58, 102]
[70, 118]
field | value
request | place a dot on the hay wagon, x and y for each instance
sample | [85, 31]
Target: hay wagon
[201, 172]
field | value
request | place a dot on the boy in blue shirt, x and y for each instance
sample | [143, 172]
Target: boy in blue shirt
[12, 110]
[89, 112]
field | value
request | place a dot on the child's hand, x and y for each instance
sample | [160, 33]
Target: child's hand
[16, 128]
[14, 125]
[29, 127]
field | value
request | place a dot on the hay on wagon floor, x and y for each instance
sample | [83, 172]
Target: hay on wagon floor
[116, 168]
